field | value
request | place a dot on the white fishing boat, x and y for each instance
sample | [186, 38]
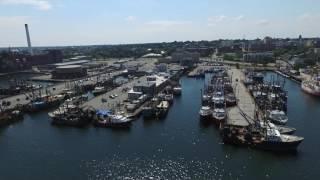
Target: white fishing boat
[205, 113]
[99, 90]
[104, 118]
[219, 114]
[277, 116]
[311, 86]
[177, 90]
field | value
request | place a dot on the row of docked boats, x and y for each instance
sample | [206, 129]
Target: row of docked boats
[270, 97]
[159, 106]
[262, 134]
[217, 96]
[72, 113]
[267, 129]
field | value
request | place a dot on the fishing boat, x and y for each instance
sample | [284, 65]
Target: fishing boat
[169, 98]
[105, 118]
[206, 99]
[277, 117]
[231, 100]
[150, 111]
[10, 116]
[177, 90]
[219, 115]
[261, 137]
[311, 86]
[45, 102]
[282, 129]
[70, 115]
[99, 90]
[205, 113]
[217, 98]
[162, 109]
[275, 141]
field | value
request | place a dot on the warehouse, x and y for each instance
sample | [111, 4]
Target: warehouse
[69, 72]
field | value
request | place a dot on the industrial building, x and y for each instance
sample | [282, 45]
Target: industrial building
[68, 71]
[257, 57]
[184, 58]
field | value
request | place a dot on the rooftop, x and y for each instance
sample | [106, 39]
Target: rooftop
[71, 63]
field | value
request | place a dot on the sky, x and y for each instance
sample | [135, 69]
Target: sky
[97, 22]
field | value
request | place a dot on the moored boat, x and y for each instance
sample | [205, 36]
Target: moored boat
[105, 118]
[205, 113]
[275, 141]
[177, 90]
[162, 109]
[99, 90]
[277, 117]
[70, 115]
[219, 115]
[311, 86]
[231, 100]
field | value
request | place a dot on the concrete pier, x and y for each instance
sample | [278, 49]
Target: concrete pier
[55, 90]
[245, 101]
[115, 103]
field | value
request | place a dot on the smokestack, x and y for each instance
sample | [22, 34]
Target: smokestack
[28, 39]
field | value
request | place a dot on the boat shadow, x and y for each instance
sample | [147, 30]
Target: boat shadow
[207, 124]
[227, 147]
[147, 122]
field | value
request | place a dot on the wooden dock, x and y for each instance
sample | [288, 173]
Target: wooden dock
[245, 101]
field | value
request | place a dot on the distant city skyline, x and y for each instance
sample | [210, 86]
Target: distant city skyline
[95, 22]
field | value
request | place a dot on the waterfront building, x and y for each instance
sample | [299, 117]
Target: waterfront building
[182, 57]
[146, 87]
[69, 72]
[257, 56]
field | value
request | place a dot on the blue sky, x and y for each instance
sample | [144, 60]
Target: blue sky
[82, 22]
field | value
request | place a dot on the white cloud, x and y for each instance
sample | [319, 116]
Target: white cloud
[217, 19]
[131, 18]
[263, 22]
[309, 17]
[167, 23]
[39, 4]
[239, 18]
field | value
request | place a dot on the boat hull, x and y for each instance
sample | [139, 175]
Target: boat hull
[278, 146]
[308, 90]
[207, 117]
[113, 125]
[80, 122]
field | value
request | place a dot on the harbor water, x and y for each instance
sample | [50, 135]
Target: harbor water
[177, 147]
[8, 80]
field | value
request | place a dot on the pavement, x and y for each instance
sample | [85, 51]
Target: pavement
[245, 101]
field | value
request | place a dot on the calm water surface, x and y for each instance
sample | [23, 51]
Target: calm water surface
[6, 81]
[178, 147]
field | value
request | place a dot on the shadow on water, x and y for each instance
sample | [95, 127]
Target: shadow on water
[152, 121]
[206, 124]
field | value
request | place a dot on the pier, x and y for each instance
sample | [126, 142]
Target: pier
[199, 70]
[114, 99]
[22, 99]
[244, 99]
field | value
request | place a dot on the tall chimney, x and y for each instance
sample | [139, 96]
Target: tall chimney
[28, 39]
